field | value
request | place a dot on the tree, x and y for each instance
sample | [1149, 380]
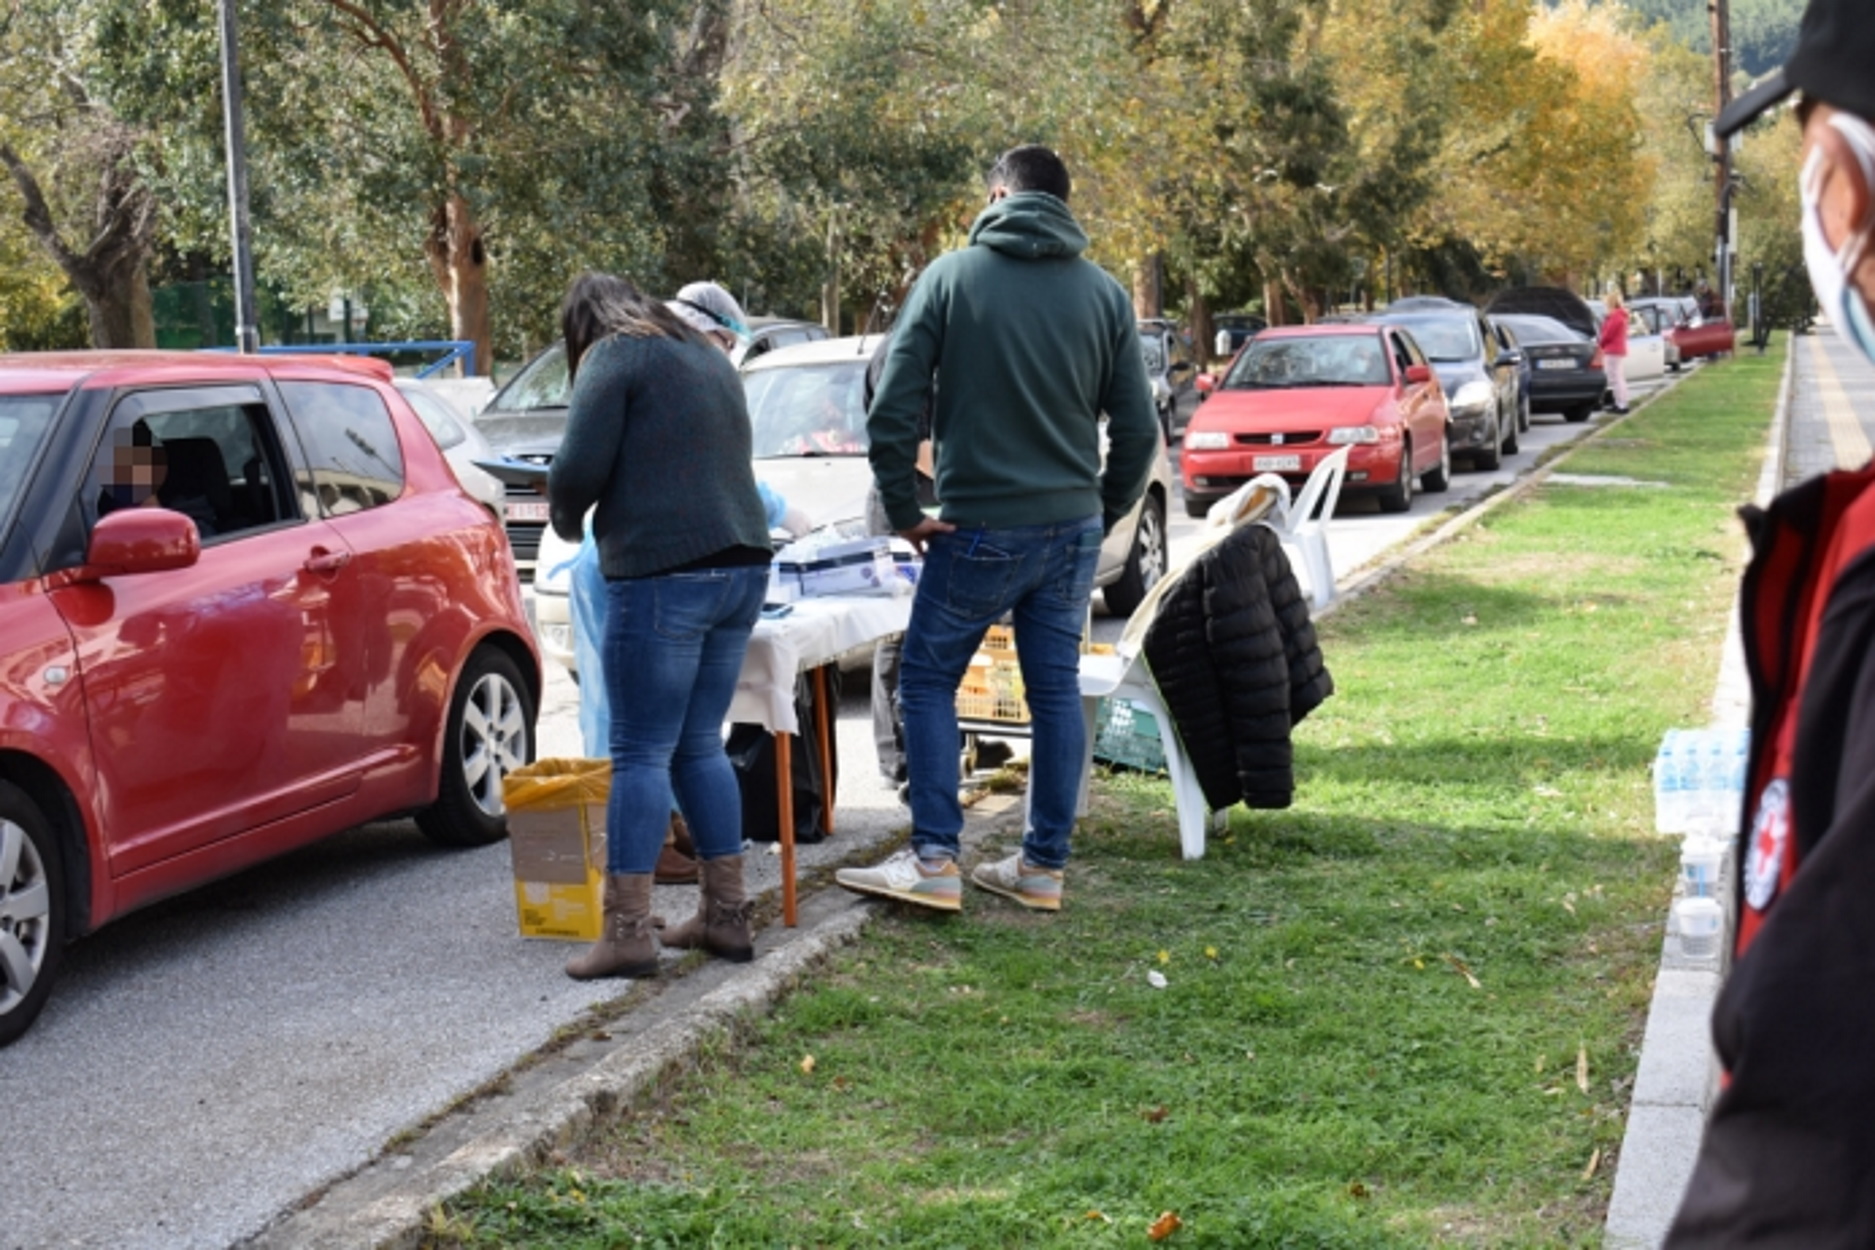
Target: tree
[76, 169]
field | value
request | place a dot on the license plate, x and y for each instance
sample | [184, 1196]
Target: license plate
[1557, 364]
[1276, 464]
[527, 511]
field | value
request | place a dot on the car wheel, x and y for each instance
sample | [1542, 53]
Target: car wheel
[1488, 456]
[1165, 421]
[1440, 479]
[1145, 564]
[1510, 435]
[490, 734]
[32, 911]
[1523, 415]
[1399, 496]
[1579, 413]
[1198, 507]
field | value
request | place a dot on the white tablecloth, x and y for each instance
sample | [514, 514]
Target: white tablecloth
[815, 632]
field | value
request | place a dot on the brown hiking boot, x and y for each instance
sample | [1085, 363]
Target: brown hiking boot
[721, 925]
[677, 863]
[628, 946]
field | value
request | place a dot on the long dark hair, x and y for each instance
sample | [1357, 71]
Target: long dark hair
[599, 305]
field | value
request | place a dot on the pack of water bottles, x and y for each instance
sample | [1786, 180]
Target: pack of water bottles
[1699, 781]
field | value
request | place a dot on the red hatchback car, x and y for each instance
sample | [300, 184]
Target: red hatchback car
[1296, 394]
[244, 604]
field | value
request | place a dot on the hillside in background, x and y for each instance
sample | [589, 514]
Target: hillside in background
[1763, 31]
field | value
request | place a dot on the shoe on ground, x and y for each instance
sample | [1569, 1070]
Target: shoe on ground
[904, 878]
[1038, 889]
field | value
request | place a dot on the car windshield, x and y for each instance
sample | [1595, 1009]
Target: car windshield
[1444, 337]
[1531, 328]
[1325, 360]
[808, 410]
[1155, 352]
[1646, 317]
[436, 415]
[24, 420]
[541, 384]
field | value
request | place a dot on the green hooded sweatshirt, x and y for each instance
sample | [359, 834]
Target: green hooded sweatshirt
[1026, 345]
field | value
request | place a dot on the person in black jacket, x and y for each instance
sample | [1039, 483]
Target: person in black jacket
[1789, 1153]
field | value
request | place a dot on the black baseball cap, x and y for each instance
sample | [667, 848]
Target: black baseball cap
[1834, 62]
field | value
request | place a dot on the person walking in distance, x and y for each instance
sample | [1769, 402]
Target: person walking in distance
[1613, 340]
[1789, 1149]
[1027, 346]
[658, 444]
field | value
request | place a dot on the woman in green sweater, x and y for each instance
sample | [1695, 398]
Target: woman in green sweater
[658, 446]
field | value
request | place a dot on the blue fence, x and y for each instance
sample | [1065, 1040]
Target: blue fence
[452, 350]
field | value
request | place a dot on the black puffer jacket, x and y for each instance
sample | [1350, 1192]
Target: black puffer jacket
[1234, 655]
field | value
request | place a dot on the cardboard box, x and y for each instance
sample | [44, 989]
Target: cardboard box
[857, 566]
[556, 838]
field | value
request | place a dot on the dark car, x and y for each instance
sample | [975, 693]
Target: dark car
[1170, 369]
[244, 605]
[526, 420]
[1232, 330]
[1480, 379]
[1565, 365]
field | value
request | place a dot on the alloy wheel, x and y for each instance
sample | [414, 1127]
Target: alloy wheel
[1152, 552]
[494, 739]
[25, 915]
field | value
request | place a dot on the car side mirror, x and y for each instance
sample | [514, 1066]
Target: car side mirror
[1418, 373]
[1205, 383]
[136, 540]
[1508, 359]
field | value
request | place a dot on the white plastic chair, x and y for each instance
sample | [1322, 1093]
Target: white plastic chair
[1303, 525]
[1125, 677]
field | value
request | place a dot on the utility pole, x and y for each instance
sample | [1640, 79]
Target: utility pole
[1720, 11]
[246, 320]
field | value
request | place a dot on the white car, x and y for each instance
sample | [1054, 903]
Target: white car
[1647, 350]
[462, 443]
[807, 405]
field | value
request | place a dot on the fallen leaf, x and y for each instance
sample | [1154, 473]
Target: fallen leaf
[1163, 1227]
[1357, 1190]
[1595, 1161]
[841, 1083]
[1419, 964]
[1469, 619]
[1463, 971]
[1155, 1116]
[1097, 1215]
[807, 1065]
[1582, 1067]
[1542, 1061]
[1569, 904]
[1156, 979]
[1210, 952]
[1165, 957]
[1548, 792]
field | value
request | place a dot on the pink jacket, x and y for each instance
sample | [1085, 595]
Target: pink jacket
[1613, 339]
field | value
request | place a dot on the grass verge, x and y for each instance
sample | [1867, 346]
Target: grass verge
[1404, 1012]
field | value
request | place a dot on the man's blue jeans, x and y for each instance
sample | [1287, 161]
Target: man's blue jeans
[673, 649]
[1041, 575]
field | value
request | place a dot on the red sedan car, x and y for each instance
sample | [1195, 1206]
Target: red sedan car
[244, 604]
[1295, 394]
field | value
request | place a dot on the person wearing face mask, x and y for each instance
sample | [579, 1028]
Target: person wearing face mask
[1789, 1150]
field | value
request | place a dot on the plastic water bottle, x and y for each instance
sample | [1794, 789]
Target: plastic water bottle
[1670, 784]
[1700, 922]
[1701, 862]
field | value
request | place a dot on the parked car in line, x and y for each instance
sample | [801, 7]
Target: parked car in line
[462, 444]
[244, 604]
[1296, 394]
[1479, 378]
[527, 419]
[808, 412]
[1232, 330]
[1647, 350]
[1170, 369]
[1663, 316]
[1695, 335]
[1565, 365]
[1508, 344]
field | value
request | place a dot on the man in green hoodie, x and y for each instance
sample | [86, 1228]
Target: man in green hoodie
[1026, 346]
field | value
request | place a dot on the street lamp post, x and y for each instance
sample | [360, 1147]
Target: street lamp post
[246, 320]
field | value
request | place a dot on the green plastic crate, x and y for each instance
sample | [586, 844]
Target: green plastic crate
[1127, 735]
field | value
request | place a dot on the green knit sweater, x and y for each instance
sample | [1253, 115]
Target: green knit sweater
[657, 436]
[1027, 345]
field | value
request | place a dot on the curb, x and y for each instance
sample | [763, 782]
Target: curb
[1677, 1076]
[552, 1102]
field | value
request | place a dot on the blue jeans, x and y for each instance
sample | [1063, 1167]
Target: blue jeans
[1041, 575]
[673, 649]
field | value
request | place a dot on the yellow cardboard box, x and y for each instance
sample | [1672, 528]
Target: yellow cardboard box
[556, 835]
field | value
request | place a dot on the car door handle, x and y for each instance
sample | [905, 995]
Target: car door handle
[323, 561]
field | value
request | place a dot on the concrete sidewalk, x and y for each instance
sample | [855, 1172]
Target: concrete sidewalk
[1825, 411]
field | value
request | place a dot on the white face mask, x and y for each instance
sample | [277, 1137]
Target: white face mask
[1832, 272]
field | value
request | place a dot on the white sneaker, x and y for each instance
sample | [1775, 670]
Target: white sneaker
[904, 878]
[1038, 889]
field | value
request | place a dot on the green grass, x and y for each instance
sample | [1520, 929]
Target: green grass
[1376, 1001]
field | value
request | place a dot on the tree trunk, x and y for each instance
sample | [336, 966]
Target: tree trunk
[119, 303]
[459, 259]
[1199, 320]
[1273, 311]
[830, 289]
[1149, 286]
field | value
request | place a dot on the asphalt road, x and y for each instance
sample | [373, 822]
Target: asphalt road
[205, 1064]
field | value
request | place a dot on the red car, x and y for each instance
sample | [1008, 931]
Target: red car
[1701, 337]
[1295, 394]
[244, 604]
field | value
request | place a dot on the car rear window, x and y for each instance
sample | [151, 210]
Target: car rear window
[1325, 360]
[351, 445]
[1533, 329]
[1452, 337]
[24, 420]
[808, 410]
